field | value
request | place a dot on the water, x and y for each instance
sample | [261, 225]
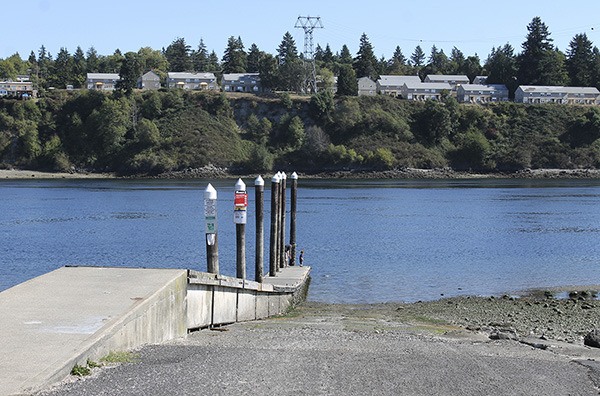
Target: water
[367, 241]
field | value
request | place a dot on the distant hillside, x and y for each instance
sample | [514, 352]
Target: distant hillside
[169, 131]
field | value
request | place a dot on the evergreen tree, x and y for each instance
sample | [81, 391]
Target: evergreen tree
[345, 57]
[596, 67]
[471, 67]
[347, 83]
[365, 63]
[287, 50]
[155, 60]
[417, 59]
[200, 57]
[178, 56]
[268, 72]
[501, 66]
[580, 61]
[539, 63]
[235, 58]
[63, 69]
[397, 65]
[79, 68]
[254, 57]
[213, 63]
[457, 61]
[131, 70]
[91, 61]
[328, 57]
[319, 53]
[438, 61]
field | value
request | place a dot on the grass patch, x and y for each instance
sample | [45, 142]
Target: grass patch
[80, 371]
[120, 357]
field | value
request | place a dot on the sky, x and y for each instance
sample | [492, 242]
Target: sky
[474, 27]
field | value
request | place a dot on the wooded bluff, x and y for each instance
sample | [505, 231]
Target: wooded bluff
[150, 133]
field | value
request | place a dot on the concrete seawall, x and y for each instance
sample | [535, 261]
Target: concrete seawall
[61, 319]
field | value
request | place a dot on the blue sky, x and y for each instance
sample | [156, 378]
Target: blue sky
[471, 26]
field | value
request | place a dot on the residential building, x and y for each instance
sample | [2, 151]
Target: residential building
[17, 89]
[424, 90]
[241, 82]
[102, 81]
[392, 85]
[556, 94]
[149, 81]
[194, 81]
[367, 87]
[479, 93]
[452, 79]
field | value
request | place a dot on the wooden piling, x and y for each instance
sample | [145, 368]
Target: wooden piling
[274, 234]
[259, 192]
[212, 243]
[293, 204]
[284, 262]
[240, 206]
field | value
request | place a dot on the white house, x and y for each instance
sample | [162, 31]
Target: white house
[102, 81]
[366, 86]
[392, 85]
[241, 82]
[479, 93]
[424, 90]
[556, 94]
[149, 81]
[195, 81]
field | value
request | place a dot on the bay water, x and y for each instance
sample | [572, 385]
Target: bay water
[366, 240]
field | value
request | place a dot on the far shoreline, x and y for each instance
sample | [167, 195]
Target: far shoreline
[212, 172]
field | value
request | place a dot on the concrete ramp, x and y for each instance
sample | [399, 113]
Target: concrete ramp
[63, 318]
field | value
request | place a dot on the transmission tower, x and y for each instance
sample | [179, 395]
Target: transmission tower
[309, 24]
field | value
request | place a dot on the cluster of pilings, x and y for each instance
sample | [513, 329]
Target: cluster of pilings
[280, 254]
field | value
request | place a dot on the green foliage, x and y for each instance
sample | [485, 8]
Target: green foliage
[322, 106]
[80, 371]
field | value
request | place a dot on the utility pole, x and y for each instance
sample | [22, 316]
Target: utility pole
[309, 24]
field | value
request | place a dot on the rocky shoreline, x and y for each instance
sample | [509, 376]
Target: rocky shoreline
[215, 172]
[561, 314]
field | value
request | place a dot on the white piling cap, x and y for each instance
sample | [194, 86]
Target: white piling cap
[294, 176]
[283, 176]
[259, 181]
[210, 192]
[240, 185]
[275, 178]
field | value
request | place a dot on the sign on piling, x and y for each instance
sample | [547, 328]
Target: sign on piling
[239, 218]
[210, 218]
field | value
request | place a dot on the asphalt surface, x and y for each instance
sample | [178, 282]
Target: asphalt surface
[328, 353]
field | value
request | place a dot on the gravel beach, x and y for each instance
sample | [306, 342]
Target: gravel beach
[526, 345]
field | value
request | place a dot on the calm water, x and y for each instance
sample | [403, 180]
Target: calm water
[367, 241]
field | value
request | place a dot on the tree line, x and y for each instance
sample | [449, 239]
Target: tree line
[153, 132]
[538, 63]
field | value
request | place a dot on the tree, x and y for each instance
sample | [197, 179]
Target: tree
[178, 56]
[457, 61]
[365, 63]
[501, 66]
[267, 71]
[131, 70]
[539, 63]
[287, 51]
[213, 62]
[471, 67]
[418, 57]
[291, 70]
[63, 66]
[235, 58]
[345, 57]
[397, 65]
[438, 61]
[79, 68]
[347, 83]
[91, 61]
[254, 57]
[580, 61]
[150, 59]
[200, 57]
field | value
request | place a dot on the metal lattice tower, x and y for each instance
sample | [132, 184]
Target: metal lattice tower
[309, 24]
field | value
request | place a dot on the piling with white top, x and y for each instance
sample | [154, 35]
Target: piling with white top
[259, 192]
[210, 216]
